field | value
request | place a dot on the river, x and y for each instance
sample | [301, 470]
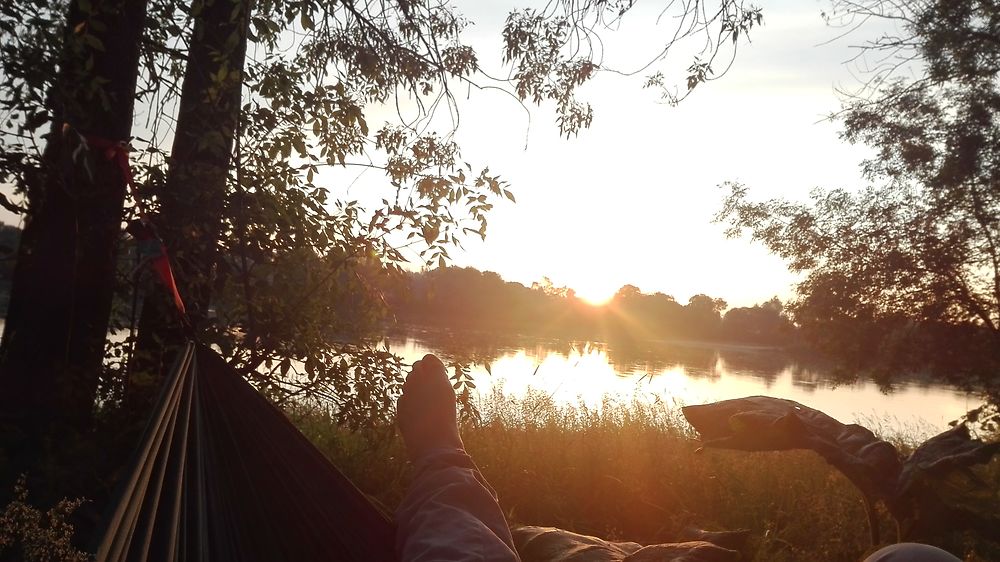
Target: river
[684, 373]
[688, 373]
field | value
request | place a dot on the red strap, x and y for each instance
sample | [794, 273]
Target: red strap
[162, 267]
[117, 152]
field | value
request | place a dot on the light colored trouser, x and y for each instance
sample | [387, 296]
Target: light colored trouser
[451, 514]
[911, 552]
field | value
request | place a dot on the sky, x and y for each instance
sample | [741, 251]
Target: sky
[632, 198]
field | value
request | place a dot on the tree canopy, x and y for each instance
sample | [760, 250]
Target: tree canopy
[908, 268]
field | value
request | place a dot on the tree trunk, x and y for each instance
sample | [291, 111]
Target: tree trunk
[192, 203]
[53, 343]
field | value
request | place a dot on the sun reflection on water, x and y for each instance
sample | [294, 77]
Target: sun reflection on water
[588, 373]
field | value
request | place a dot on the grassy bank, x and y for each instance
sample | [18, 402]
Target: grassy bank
[629, 471]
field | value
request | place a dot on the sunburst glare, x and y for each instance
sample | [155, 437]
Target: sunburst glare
[594, 292]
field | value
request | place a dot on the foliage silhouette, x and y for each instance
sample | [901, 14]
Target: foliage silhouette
[905, 274]
[243, 189]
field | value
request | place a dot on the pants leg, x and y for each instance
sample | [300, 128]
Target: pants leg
[450, 514]
[911, 552]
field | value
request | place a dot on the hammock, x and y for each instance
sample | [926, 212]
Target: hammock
[221, 475]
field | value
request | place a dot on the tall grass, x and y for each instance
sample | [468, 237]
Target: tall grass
[628, 471]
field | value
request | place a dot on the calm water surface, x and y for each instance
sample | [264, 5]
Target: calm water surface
[688, 374]
[588, 372]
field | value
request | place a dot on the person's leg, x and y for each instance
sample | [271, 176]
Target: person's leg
[450, 513]
[911, 552]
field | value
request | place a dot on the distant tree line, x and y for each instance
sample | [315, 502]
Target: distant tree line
[482, 300]
[961, 352]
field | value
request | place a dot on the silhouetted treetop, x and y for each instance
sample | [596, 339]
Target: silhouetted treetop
[911, 265]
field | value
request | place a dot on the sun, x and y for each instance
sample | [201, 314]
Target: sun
[594, 293]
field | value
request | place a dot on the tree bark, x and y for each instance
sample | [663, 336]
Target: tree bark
[52, 350]
[193, 201]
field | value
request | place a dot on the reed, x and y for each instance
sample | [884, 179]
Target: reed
[628, 471]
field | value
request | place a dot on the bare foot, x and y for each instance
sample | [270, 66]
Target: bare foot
[426, 413]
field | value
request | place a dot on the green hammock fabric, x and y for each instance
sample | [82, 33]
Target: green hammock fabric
[221, 475]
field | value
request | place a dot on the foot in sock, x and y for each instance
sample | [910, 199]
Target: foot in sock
[426, 413]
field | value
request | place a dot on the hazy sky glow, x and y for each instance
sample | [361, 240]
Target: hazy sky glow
[631, 200]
